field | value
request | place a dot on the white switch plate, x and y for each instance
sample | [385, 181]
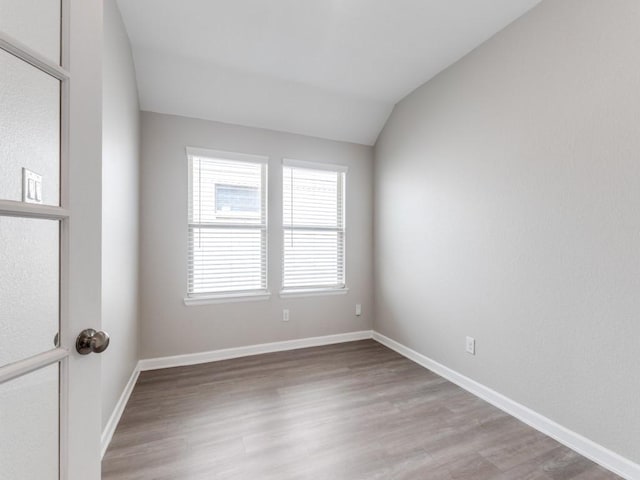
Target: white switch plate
[285, 315]
[471, 345]
[31, 187]
[358, 309]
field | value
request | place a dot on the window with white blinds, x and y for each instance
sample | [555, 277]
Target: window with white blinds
[313, 223]
[227, 223]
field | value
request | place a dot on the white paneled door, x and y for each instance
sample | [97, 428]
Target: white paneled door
[50, 205]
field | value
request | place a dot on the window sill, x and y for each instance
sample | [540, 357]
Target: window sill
[316, 292]
[226, 298]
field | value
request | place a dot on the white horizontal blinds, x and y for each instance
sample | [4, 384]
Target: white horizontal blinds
[313, 220]
[227, 225]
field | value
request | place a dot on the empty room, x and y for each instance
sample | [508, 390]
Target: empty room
[319, 239]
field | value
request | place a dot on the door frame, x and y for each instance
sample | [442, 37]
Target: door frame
[84, 423]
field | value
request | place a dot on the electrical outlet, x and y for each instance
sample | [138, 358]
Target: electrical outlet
[285, 315]
[358, 309]
[471, 345]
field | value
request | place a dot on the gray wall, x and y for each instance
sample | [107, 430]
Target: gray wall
[507, 208]
[168, 327]
[120, 201]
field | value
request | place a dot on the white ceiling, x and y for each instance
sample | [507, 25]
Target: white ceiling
[326, 68]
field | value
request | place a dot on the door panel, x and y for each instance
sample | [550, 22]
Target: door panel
[29, 128]
[51, 252]
[29, 290]
[29, 419]
[35, 23]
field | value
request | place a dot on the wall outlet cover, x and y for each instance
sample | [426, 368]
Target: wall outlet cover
[470, 345]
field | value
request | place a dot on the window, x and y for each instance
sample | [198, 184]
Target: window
[237, 199]
[313, 221]
[227, 223]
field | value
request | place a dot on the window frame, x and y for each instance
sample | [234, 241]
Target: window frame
[315, 290]
[202, 298]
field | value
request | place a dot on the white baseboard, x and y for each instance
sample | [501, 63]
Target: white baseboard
[228, 353]
[597, 453]
[114, 419]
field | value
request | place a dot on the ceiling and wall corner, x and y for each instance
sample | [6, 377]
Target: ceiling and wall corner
[330, 69]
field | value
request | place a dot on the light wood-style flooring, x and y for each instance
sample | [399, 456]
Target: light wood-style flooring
[341, 412]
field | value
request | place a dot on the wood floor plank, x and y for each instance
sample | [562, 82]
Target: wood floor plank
[350, 411]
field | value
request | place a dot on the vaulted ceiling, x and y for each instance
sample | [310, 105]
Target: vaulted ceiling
[327, 68]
